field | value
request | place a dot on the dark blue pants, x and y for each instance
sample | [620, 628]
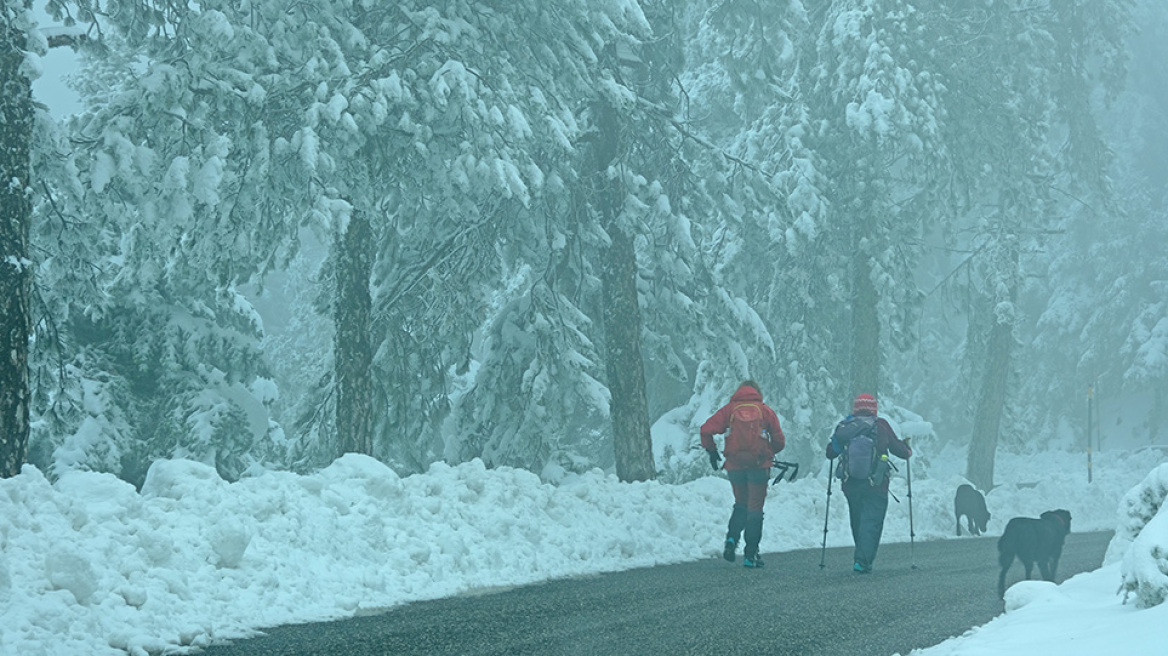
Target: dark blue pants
[867, 506]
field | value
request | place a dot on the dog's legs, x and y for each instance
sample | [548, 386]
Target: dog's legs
[1005, 559]
[959, 526]
[1045, 569]
[973, 530]
[1029, 565]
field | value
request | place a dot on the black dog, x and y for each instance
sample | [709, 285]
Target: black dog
[1033, 541]
[971, 503]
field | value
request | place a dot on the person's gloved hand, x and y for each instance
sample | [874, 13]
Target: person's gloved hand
[715, 459]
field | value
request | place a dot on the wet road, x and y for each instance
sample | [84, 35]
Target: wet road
[708, 607]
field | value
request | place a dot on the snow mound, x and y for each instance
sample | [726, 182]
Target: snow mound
[1023, 593]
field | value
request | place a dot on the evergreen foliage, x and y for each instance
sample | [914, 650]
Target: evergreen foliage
[523, 231]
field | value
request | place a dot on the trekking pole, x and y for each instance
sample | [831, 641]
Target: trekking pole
[911, 533]
[823, 551]
[783, 467]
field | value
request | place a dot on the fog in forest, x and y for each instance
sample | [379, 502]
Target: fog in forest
[556, 237]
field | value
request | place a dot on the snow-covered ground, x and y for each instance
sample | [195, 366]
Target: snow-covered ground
[89, 565]
[1117, 609]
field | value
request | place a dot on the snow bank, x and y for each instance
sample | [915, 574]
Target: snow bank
[1141, 540]
[1085, 615]
[89, 565]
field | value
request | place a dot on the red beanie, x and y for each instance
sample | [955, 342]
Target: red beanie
[864, 402]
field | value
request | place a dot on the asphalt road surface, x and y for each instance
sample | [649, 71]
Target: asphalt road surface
[706, 607]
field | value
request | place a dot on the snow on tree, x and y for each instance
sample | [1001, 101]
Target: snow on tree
[1102, 314]
[833, 124]
[278, 120]
[618, 260]
[1018, 135]
[1140, 541]
[437, 125]
[521, 208]
[1043, 112]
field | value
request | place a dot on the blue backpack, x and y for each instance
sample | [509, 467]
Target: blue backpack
[858, 457]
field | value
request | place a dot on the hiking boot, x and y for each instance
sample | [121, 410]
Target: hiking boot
[861, 568]
[753, 562]
[728, 550]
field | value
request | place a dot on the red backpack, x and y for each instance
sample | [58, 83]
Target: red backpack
[745, 444]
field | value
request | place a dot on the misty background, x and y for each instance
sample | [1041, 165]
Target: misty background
[538, 233]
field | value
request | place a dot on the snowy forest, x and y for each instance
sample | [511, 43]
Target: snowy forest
[530, 231]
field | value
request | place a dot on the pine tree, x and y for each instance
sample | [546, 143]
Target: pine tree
[603, 207]
[1100, 311]
[836, 125]
[414, 116]
[16, 134]
[1018, 129]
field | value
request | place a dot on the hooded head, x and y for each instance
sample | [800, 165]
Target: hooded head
[747, 391]
[865, 404]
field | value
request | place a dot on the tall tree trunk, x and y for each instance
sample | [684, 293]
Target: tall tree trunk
[621, 318]
[865, 329]
[623, 365]
[987, 421]
[16, 114]
[353, 352]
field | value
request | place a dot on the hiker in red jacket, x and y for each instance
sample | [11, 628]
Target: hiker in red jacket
[865, 484]
[753, 439]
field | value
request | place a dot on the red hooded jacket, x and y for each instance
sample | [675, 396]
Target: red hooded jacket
[720, 423]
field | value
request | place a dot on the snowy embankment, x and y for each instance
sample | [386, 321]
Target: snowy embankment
[89, 565]
[1117, 609]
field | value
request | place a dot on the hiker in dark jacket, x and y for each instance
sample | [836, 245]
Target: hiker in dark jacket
[753, 440]
[868, 497]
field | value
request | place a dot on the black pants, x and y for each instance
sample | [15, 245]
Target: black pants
[867, 506]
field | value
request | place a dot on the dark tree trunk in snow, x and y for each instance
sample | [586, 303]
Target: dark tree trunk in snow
[353, 351]
[621, 317]
[16, 115]
[623, 365]
[865, 330]
[987, 420]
